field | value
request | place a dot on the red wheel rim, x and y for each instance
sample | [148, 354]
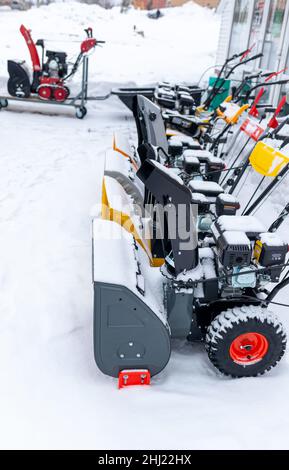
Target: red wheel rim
[44, 92]
[249, 348]
[60, 94]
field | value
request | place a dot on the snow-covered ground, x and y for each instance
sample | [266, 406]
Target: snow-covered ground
[51, 393]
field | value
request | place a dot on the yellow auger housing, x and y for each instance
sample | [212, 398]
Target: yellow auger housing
[118, 207]
[268, 161]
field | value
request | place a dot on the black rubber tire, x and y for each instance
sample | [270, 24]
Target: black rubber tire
[239, 320]
[3, 103]
[68, 92]
[81, 112]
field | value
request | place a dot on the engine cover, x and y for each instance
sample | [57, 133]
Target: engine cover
[234, 249]
[270, 250]
[56, 60]
[226, 204]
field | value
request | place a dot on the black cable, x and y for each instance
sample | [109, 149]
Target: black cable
[281, 305]
[239, 155]
[254, 194]
[244, 181]
[207, 70]
[215, 171]
[168, 157]
[286, 276]
[258, 207]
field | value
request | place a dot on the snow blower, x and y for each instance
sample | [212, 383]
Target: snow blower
[196, 166]
[204, 124]
[199, 169]
[50, 73]
[185, 264]
[212, 290]
[182, 153]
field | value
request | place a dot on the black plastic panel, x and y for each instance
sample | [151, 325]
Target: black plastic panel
[127, 333]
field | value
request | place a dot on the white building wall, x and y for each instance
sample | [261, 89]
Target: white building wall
[280, 57]
[226, 9]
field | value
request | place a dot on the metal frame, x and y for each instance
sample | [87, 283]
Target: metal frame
[82, 95]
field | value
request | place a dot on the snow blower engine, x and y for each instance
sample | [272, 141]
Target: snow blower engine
[49, 75]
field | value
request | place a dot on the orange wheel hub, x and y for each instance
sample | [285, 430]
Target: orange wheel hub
[249, 348]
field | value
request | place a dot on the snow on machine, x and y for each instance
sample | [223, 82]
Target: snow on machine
[212, 290]
[180, 263]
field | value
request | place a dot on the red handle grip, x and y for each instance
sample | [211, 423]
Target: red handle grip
[275, 74]
[273, 123]
[247, 52]
[254, 111]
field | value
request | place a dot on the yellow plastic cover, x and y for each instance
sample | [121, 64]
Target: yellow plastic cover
[232, 112]
[268, 161]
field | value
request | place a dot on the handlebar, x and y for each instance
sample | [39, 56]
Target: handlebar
[217, 86]
[255, 57]
[267, 107]
[284, 143]
[266, 75]
[235, 56]
[248, 94]
[275, 74]
[241, 54]
[88, 32]
[280, 127]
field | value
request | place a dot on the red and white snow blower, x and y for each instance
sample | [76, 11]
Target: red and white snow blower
[50, 74]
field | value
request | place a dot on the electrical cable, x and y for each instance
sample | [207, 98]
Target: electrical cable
[213, 172]
[281, 305]
[254, 193]
[209, 68]
[244, 182]
[269, 194]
